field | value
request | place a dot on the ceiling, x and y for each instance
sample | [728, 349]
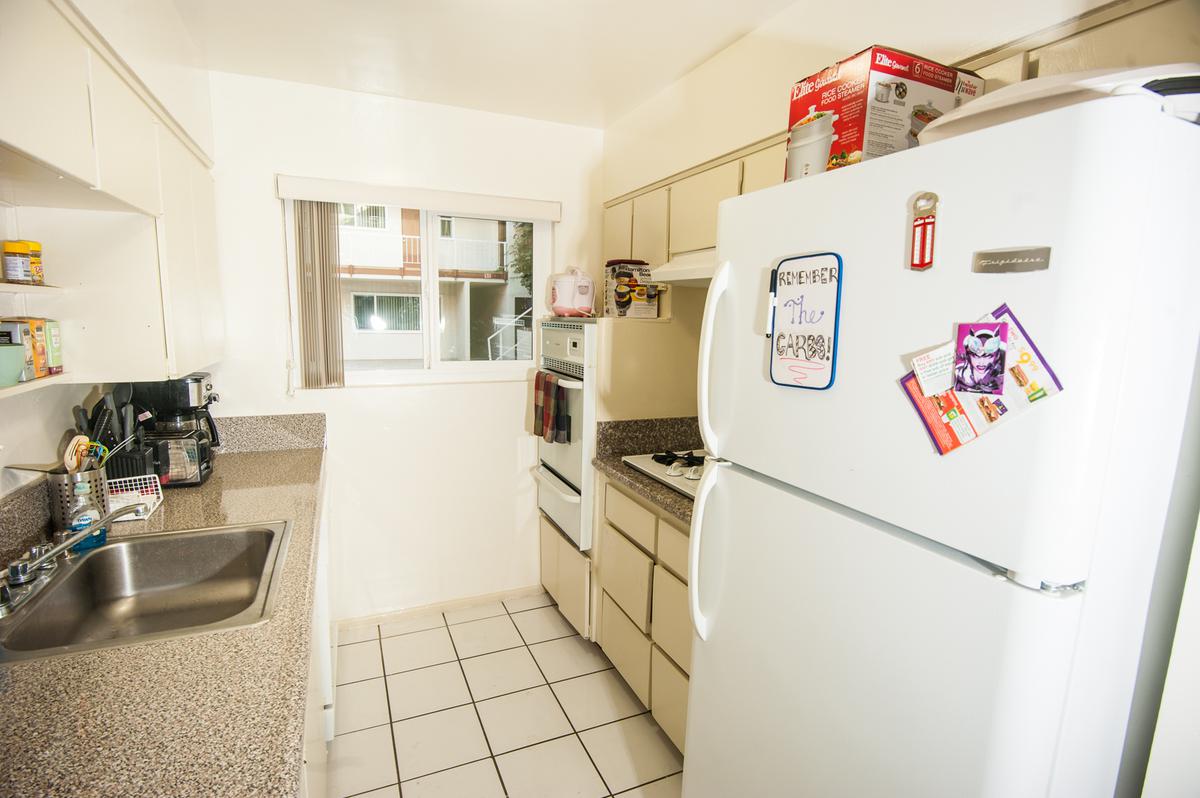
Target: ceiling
[582, 62]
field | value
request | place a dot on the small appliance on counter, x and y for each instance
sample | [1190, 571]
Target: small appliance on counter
[572, 294]
[179, 427]
[680, 471]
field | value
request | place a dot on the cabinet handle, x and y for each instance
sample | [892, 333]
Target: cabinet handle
[553, 483]
[699, 622]
[716, 288]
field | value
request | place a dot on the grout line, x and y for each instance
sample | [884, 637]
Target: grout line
[431, 712]
[396, 784]
[652, 781]
[452, 767]
[562, 709]
[365, 728]
[388, 698]
[478, 717]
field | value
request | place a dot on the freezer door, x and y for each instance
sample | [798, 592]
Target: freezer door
[1112, 315]
[844, 659]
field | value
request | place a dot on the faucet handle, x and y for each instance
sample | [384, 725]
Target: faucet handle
[18, 572]
[39, 551]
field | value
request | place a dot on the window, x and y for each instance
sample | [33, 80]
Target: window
[414, 292]
[387, 312]
[368, 216]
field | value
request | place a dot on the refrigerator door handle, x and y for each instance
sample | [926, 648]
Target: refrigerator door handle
[717, 286]
[699, 622]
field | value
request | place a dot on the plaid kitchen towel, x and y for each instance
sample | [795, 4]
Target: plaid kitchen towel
[539, 388]
[562, 420]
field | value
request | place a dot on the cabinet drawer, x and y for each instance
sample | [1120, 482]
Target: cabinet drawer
[670, 626]
[625, 574]
[627, 647]
[630, 517]
[673, 549]
[668, 697]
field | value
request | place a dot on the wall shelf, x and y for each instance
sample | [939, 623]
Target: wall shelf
[29, 290]
[33, 385]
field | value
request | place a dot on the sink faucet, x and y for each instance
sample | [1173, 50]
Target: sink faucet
[25, 570]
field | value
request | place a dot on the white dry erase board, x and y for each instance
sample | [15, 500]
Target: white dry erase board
[806, 303]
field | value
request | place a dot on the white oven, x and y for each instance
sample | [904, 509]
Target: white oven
[564, 472]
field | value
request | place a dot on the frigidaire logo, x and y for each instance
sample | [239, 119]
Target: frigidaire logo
[1012, 260]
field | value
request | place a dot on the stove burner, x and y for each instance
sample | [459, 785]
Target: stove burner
[685, 459]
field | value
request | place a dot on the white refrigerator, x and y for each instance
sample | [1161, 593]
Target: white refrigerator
[876, 620]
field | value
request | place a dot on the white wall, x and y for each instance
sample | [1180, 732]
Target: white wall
[740, 95]
[151, 38]
[430, 492]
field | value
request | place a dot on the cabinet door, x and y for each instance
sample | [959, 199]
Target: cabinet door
[650, 226]
[694, 206]
[628, 648]
[208, 270]
[188, 266]
[618, 231]
[44, 83]
[177, 258]
[126, 141]
[764, 168]
[548, 546]
[625, 574]
[574, 584]
[670, 624]
[668, 697]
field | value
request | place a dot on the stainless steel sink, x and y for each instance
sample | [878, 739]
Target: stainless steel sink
[151, 587]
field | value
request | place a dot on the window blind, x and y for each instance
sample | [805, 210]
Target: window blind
[318, 294]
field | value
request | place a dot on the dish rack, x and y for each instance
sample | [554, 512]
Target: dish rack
[125, 491]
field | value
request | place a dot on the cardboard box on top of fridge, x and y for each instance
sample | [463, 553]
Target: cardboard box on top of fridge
[873, 103]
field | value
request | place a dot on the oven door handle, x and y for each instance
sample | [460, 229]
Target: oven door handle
[573, 385]
[552, 482]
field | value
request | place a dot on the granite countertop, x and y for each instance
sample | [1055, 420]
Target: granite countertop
[642, 436]
[671, 501]
[220, 713]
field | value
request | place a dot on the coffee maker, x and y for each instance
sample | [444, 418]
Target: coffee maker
[179, 427]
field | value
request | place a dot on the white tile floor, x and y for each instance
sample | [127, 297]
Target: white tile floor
[494, 699]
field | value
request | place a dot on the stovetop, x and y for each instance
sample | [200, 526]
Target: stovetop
[680, 471]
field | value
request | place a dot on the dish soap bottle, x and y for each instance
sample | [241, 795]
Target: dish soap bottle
[83, 514]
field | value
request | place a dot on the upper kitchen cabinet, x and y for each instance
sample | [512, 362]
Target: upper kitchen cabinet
[764, 168]
[694, 203]
[618, 231]
[44, 83]
[650, 226]
[126, 134]
[187, 261]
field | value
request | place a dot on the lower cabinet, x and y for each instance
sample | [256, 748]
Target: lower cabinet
[566, 573]
[643, 618]
[627, 647]
[668, 696]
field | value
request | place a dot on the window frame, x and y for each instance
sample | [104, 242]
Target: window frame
[433, 371]
[430, 285]
[420, 297]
